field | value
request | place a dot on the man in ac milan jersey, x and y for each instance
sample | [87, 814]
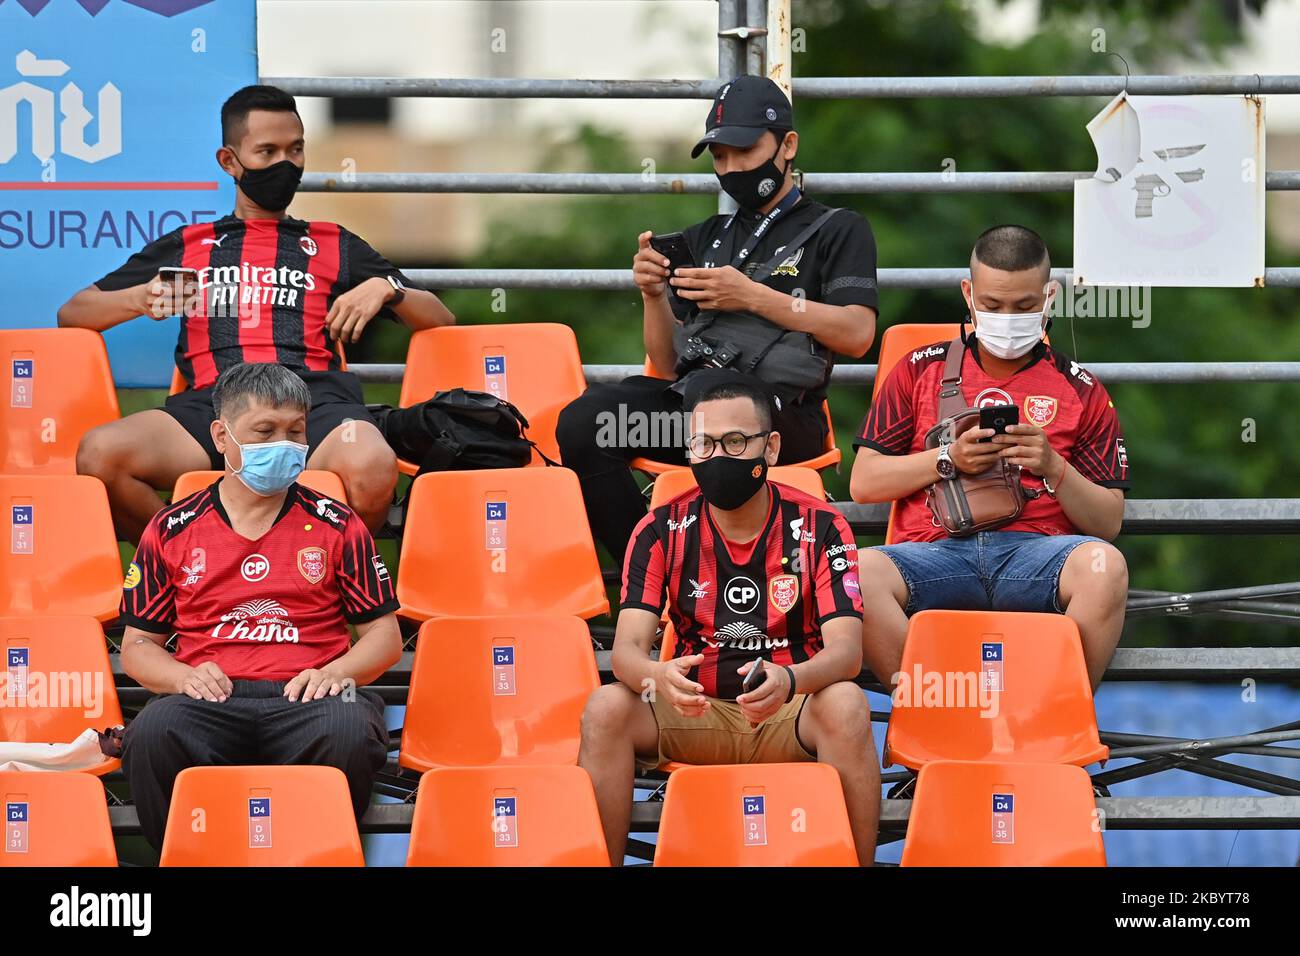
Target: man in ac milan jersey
[1054, 557]
[258, 578]
[755, 573]
[270, 288]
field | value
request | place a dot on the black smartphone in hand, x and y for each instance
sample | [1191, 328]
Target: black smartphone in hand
[757, 674]
[998, 417]
[672, 245]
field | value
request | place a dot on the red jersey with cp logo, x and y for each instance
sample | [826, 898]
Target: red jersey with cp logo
[261, 610]
[1051, 391]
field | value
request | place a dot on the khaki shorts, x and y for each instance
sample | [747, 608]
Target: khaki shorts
[722, 735]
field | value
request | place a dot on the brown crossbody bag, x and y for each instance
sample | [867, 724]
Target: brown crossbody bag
[967, 504]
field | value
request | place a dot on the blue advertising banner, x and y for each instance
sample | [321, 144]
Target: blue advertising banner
[109, 122]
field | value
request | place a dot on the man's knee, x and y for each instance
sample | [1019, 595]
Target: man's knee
[368, 469]
[156, 729]
[576, 426]
[840, 713]
[1097, 569]
[350, 734]
[879, 578]
[608, 714]
[102, 452]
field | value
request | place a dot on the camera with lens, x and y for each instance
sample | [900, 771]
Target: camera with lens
[700, 354]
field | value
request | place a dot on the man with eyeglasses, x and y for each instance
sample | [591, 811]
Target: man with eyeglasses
[755, 574]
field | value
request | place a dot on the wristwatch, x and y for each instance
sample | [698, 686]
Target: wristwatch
[398, 288]
[944, 464]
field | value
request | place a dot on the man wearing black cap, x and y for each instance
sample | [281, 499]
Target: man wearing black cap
[756, 575]
[778, 289]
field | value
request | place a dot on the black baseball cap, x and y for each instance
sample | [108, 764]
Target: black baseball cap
[742, 111]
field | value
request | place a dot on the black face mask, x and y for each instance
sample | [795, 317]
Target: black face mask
[728, 483]
[272, 188]
[754, 188]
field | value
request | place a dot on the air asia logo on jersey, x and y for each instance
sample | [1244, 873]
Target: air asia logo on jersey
[311, 564]
[790, 267]
[683, 524]
[262, 620]
[930, 351]
[1041, 409]
[308, 245]
[741, 594]
[699, 589]
[992, 396]
[181, 518]
[783, 592]
[254, 568]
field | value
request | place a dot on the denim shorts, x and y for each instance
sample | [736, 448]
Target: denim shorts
[989, 571]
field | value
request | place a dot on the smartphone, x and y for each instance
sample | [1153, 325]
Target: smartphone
[172, 273]
[998, 417]
[757, 674]
[673, 246]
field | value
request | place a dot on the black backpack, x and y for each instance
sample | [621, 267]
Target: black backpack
[457, 430]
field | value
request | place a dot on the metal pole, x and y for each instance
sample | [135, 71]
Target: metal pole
[756, 33]
[779, 55]
[730, 65]
[1174, 602]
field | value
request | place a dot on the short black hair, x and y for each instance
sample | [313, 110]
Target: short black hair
[1011, 248]
[269, 383]
[721, 384]
[234, 112]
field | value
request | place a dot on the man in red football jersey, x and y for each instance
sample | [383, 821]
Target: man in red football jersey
[258, 578]
[1054, 557]
[755, 574]
[270, 288]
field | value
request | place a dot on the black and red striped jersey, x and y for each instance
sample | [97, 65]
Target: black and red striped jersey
[265, 287]
[265, 609]
[1052, 391]
[734, 602]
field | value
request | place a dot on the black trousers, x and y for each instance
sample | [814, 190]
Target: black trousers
[593, 433]
[257, 724]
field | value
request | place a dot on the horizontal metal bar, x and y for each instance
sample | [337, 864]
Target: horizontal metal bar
[1120, 813]
[1174, 600]
[707, 183]
[615, 280]
[1208, 746]
[810, 87]
[1165, 373]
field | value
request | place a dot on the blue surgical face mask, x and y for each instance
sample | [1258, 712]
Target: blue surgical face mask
[268, 467]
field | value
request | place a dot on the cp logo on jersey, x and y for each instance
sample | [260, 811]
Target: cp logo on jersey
[783, 591]
[992, 396]
[741, 595]
[255, 567]
[1041, 409]
[311, 564]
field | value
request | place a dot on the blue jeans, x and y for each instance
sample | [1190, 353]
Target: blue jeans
[989, 571]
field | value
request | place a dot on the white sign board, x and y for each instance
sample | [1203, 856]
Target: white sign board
[1178, 196]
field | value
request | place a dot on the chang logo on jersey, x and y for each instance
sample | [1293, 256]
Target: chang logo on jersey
[743, 636]
[683, 524]
[262, 620]
[741, 594]
[930, 351]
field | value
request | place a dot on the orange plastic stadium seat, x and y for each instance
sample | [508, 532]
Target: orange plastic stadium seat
[829, 458]
[261, 816]
[327, 483]
[536, 367]
[1003, 814]
[498, 690]
[69, 658]
[62, 555]
[55, 819]
[673, 483]
[1043, 713]
[507, 816]
[498, 541]
[57, 387]
[741, 814]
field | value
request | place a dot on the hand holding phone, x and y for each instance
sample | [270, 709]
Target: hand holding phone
[757, 674]
[998, 417]
[673, 246]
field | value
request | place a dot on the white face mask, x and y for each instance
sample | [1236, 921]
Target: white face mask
[1008, 335]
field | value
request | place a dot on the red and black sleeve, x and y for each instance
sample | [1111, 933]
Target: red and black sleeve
[166, 250]
[890, 422]
[1099, 453]
[838, 591]
[364, 583]
[643, 568]
[148, 593]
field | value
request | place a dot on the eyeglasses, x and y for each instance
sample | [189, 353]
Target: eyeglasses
[733, 443]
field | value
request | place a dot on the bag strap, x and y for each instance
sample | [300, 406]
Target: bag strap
[766, 269]
[950, 398]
